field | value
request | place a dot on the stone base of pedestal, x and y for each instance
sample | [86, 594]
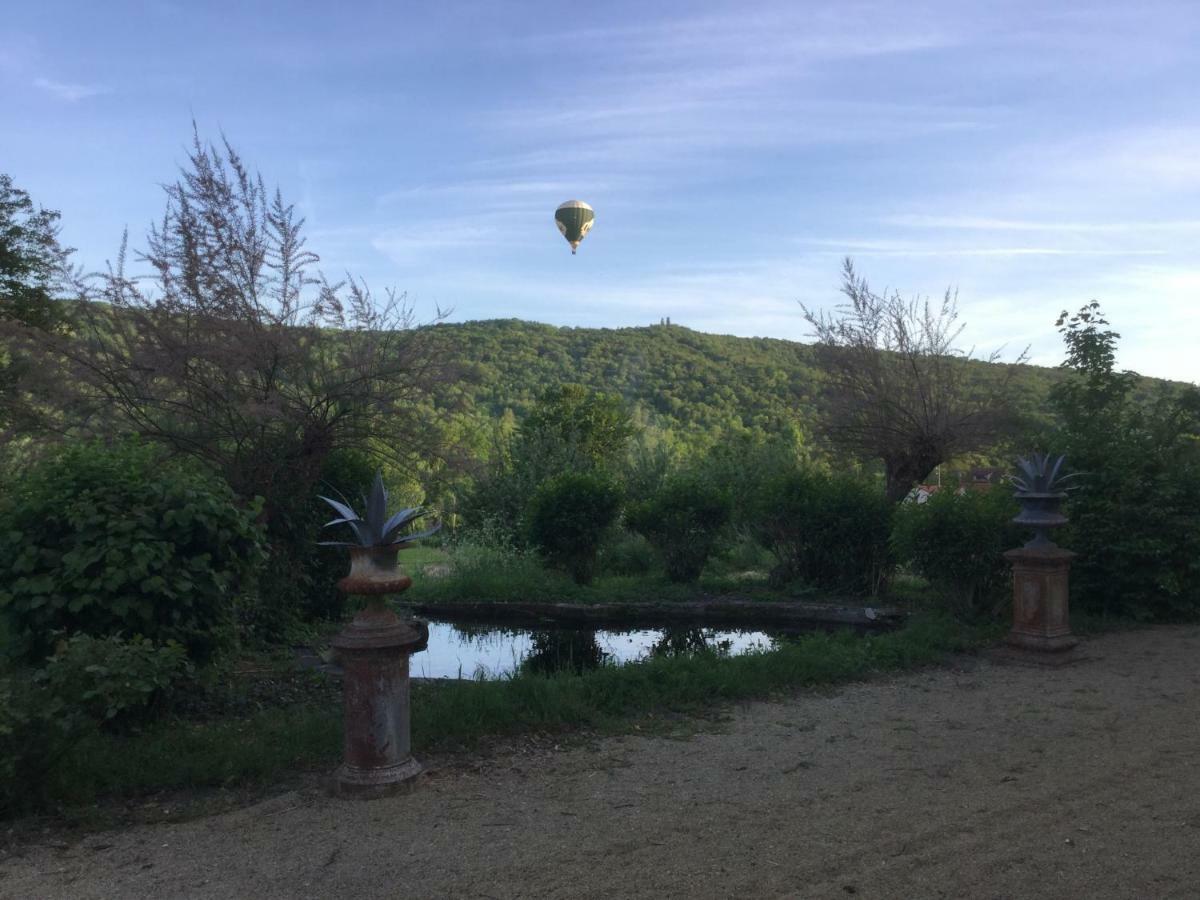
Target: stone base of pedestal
[369, 784]
[1015, 654]
[1041, 618]
[1041, 643]
[374, 651]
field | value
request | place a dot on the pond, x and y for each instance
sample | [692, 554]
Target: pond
[463, 651]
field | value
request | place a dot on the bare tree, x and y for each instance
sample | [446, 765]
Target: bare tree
[899, 391]
[234, 349]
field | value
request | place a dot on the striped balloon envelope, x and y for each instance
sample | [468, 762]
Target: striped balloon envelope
[574, 219]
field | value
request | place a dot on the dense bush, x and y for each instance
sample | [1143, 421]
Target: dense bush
[743, 464]
[627, 553]
[830, 531]
[298, 579]
[1135, 515]
[568, 518]
[570, 429]
[89, 684]
[106, 541]
[956, 542]
[683, 520]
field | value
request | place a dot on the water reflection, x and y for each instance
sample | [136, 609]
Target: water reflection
[563, 650]
[457, 651]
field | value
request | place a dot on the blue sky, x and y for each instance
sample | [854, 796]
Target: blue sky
[1035, 155]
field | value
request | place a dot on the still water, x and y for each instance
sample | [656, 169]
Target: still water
[462, 651]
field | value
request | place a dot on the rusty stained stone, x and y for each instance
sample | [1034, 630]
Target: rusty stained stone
[1041, 614]
[374, 651]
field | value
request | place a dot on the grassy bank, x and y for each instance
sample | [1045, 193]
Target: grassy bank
[480, 574]
[268, 747]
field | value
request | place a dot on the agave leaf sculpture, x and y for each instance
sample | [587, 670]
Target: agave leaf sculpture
[1039, 474]
[374, 529]
[1040, 491]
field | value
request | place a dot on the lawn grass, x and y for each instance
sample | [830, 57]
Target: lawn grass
[270, 746]
[526, 579]
[485, 573]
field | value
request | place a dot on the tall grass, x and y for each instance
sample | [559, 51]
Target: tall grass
[487, 569]
[490, 570]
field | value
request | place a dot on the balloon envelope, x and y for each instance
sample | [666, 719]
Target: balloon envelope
[574, 219]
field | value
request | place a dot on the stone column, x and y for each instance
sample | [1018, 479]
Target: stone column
[1041, 618]
[374, 650]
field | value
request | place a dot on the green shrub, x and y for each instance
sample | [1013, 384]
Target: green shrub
[111, 680]
[106, 541]
[568, 518]
[742, 555]
[830, 531]
[1135, 515]
[627, 553]
[682, 520]
[743, 464]
[956, 542]
[298, 580]
[89, 684]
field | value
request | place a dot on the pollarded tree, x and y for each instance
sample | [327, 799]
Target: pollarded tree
[233, 348]
[898, 389]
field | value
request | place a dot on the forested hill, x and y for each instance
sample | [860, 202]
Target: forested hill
[694, 384]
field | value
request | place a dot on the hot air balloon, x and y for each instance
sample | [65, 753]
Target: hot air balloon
[574, 219]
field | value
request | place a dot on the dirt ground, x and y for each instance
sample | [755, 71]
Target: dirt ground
[984, 780]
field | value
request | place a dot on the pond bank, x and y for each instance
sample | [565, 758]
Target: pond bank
[975, 781]
[727, 613]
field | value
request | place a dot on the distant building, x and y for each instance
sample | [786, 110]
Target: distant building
[983, 478]
[979, 478]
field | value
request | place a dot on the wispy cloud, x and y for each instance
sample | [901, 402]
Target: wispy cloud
[71, 93]
[902, 248]
[980, 223]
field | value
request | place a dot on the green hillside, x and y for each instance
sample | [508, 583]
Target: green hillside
[696, 386]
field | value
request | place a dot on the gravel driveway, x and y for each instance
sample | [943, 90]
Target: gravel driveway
[984, 780]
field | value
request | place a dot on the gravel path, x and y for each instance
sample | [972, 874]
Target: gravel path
[985, 780]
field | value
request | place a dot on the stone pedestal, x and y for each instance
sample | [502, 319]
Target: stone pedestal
[1041, 618]
[374, 651]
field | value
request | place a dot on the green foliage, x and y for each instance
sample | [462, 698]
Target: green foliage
[956, 542]
[89, 684]
[111, 680]
[106, 541]
[1135, 515]
[683, 520]
[696, 386]
[298, 580]
[627, 553]
[484, 564]
[32, 263]
[570, 429]
[568, 518]
[573, 426]
[264, 748]
[743, 463]
[830, 531]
